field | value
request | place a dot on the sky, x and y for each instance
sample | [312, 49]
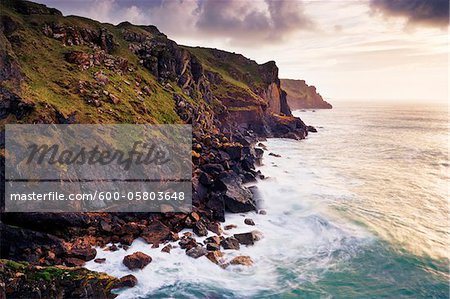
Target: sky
[349, 49]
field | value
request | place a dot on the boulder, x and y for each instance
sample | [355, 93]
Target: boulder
[249, 221]
[212, 246]
[245, 238]
[137, 260]
[230, 243]
[127, 281]
[237, 198]
[242, 260]
[215, 257]
[196, 252]
[200, 229]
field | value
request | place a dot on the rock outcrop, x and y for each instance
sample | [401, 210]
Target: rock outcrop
[303, 96]
[57, 69]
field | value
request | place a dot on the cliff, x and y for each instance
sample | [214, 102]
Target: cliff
[303, 96]
[57, 69]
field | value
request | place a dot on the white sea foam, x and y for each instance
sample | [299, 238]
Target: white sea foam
[301, 234]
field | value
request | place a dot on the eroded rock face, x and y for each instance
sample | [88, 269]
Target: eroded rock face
[11, 103]
[137, 260]
[303, 96]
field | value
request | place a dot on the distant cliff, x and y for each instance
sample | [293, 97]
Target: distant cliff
[303, 96]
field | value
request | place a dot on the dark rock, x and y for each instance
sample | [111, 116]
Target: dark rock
[187, 243]
[275, 155]
[311, 129]
[137, 260]
[200, 229]
[212, 246]
[214, 227]
[74, 262]
[235, 151]
[196, 252]
[230, 226]
[167, 248]
[249, 221]
[127, 281]
[245, 238]
[100, 260]
[237, 198]
[230, 243]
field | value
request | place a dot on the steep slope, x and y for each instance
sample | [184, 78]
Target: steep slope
[57, 69]
[303, 96]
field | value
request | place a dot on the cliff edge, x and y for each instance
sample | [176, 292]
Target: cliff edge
[303, 96]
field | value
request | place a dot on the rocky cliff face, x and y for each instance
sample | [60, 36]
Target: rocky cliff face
[303, 96]
[59, 69]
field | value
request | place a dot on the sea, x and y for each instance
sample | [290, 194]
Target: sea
[359, 209]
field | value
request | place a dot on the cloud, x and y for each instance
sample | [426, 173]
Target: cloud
[428, 12]
[250, 22]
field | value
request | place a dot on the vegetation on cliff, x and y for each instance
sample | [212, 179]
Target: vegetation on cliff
[57, 69]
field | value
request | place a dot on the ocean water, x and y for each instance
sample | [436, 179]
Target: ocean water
[357, 210]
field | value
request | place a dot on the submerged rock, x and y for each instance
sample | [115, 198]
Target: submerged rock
[242, 260]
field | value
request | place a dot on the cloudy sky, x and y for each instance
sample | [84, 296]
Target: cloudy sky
[349, 49]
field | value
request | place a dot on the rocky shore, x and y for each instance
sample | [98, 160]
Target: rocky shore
[88, 72]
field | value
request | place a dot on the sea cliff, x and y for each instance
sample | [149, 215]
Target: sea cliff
[66, 70]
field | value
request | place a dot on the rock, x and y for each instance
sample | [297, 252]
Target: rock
[262, 212]
[230, 243]
[311, 129]
[85, 253]
[166, 248]
[127, 281]
[275, 155]
[126, 240]
[105, 226]
[205, 179]
[242, 260]
[114, 99]
[74, 262]
[196, 252]
[235, 151]
[214, 227]
[249, 221]
[245, 238]
[156, 233]
[113, 247]
[200, 229]
[230, 226]
[187, 243]
[237, 198]
[100, 260]
[215, 257]
[137, 260]
[213, 239]
[195, 216]
[212, 246]
[257, 235]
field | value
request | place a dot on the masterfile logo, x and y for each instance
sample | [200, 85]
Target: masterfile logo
[114, 168]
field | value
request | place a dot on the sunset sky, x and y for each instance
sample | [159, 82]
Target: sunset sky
[349, 49]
